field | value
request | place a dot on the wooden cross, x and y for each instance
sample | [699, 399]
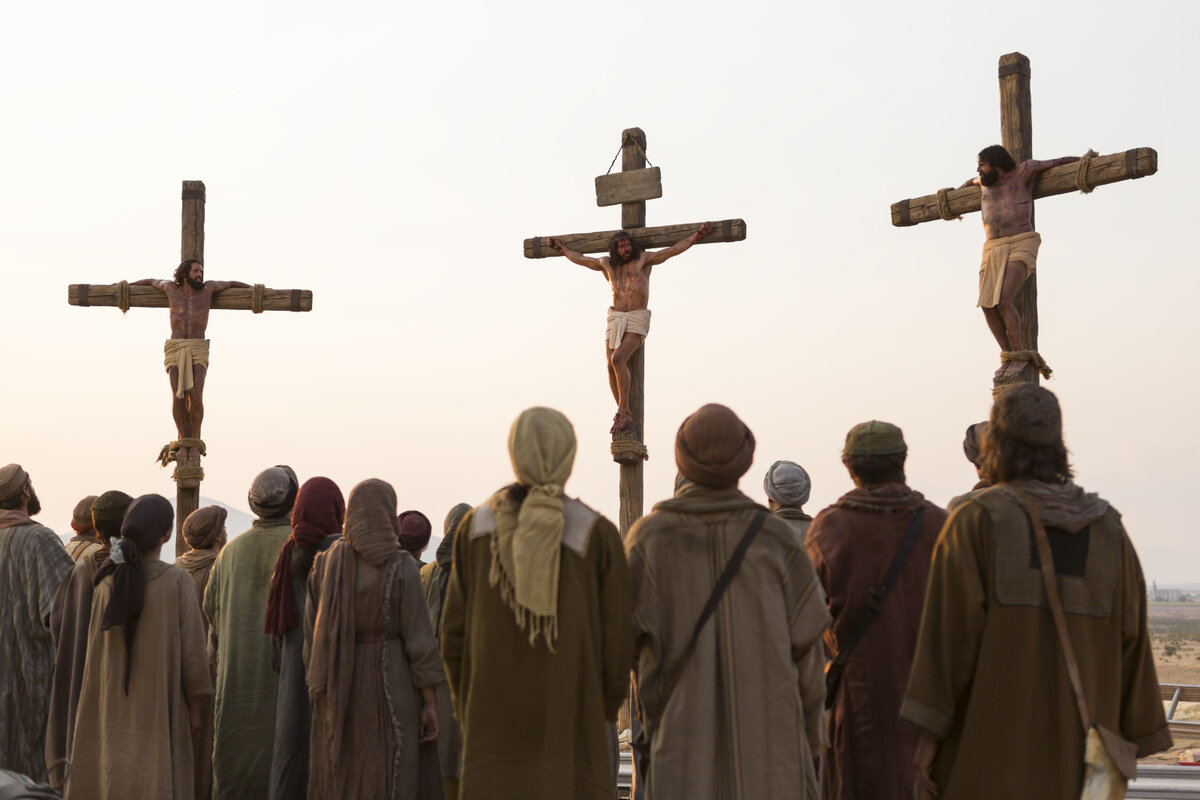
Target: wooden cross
[124, 296]
[631, 188]
[1016, 134]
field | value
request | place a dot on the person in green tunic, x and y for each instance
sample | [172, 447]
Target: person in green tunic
[988, 686]
[536, 630]
[235, 602]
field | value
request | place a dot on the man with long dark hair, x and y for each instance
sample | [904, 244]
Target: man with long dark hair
[189, 298]
[1010, 253]
[989, 682]
[627, 269]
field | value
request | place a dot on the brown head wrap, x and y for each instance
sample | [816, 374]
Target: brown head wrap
[12, 480]
[371, 528]
[107, 513]
[713, 447]
[203, 526]
[318, 512]
[81, 517]
[273, 493]
[874, 438]
[1029, 414]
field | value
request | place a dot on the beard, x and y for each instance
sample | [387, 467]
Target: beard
[35, 505]
[197, 285]
[989, 178]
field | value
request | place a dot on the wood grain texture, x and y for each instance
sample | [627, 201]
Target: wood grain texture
[230, 299]
[634, 186]
[728, 230]
[1111, 168]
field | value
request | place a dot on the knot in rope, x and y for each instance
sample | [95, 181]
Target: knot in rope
[256, 298]
[627, 451]
[1081, 176]
[943, 198]
[123, 296]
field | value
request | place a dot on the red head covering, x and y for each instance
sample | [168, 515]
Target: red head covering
[318, 512]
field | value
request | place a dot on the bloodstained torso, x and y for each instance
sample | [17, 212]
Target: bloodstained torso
[630, 283]
[1007, 206]
[189, 310]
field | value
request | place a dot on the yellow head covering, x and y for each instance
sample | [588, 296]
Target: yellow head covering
[527, 545]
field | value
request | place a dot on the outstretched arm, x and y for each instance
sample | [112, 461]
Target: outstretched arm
[659, 256]
[1038, 167]
[220, 286]
[577, 258]
[972, 182]
[157, 284]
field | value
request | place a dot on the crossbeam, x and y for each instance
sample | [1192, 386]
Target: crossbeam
[727, 230]
[1129, 165]
[108, 294]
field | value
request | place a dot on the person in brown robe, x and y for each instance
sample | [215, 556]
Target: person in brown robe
[435, 578]
[989, 687]
[373, 667]
[852, 544]
[204, 531]
[536, 630]
[145, 672]
[70, 617]
[85, 539]
[743, 718]
[317, 520]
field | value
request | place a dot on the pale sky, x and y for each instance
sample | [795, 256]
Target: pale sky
[392, 157]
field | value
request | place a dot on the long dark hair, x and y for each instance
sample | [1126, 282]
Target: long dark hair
[1002, 458]
[185, 266]
[146, 524]
[614, 256]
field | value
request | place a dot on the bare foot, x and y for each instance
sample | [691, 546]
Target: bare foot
[1015, 368]
[621, 422]
[1001, 370]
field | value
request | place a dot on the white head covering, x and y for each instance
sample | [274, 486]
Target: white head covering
[787, 484]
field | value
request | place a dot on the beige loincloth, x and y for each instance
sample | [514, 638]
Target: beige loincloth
[997, 253]
[185, 354]
[622, 322]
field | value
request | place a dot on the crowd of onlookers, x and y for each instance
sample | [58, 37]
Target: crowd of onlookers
[883, 645]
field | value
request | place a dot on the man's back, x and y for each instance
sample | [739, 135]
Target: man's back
[744, 719]
[852, 545]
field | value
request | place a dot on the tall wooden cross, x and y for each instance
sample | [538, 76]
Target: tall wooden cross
[631, 188]
[188, 475]
[1016, 134]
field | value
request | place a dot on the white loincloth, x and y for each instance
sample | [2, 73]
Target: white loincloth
[185, 354]
[622, 322]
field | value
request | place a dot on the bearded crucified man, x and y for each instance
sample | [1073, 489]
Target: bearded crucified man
[1010, 253]
[628, 272]
[189, 298]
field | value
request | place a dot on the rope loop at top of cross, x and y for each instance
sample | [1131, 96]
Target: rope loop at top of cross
[628, 138]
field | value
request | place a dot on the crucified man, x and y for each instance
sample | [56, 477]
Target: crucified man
[1010, 252]
[189, 298]
[628, 272]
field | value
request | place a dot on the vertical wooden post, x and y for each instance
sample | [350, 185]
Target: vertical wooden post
[633, 215]
[187, 492]
[1016, 134]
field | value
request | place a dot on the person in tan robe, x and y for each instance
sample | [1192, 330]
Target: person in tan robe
[85, 539]
[852, 544]
[33, 563]
[70, 620]
[536, 630]
[204, 531]
[989, 687]
[373, 667]
[744, 719]
[435, 578]
[145, 673]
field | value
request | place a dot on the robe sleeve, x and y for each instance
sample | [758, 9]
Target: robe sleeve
[454, 612]
[1142, 719]
[415, 629]
[312, 600]
[951, 623]
[808, 618]
[212, 606]
[53, 566]
[193, 656]
[821, 568]
[616, 616]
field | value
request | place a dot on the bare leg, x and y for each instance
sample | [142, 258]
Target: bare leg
[620, 367]
[178, 405]
[195, 400]
[1010, 290]
[996, 324]
[612, 376]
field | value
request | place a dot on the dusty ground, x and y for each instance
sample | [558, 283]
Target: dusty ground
[1175, 632]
